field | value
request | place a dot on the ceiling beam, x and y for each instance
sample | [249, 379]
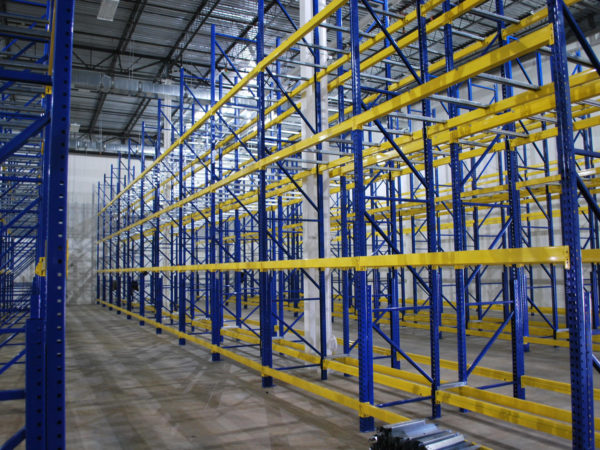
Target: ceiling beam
[136, 116]
[166, 68]
[244, 32]
[153, 59]
[172, 58]
[128, 30]
[112, 52]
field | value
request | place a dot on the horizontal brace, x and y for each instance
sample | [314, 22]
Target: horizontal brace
[31, 34]
[15, 394]
[21, 179]
[507, 81]
[525, 413]
[493, 16]
[25, 77]
[298, 382]
[509, 257]
[10, 331]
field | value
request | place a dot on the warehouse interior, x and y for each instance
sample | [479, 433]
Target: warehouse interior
[299, 224]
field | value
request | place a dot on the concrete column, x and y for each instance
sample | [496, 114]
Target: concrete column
[310, 227]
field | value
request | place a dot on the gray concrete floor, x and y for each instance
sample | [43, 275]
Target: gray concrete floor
[129, 388]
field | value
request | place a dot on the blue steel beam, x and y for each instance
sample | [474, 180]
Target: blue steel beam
[25, 77]
[181, 240]
[343, 204]
[216, 310]
[266, 329]
[458, 214]
[517, 275]
[432, 238]
[156, 291]
[362, 301]
[21, 139]
[57, 227]
[579, 337]
[142, 277]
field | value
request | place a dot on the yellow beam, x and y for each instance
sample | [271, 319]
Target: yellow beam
[506, 414]
[511, 256]
[329, 394]
[484, 63]
[328, 10]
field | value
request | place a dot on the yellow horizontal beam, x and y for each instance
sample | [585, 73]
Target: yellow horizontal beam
[496, 374]
[444, 18]
[521, 412]
[506, 414]
[328, 10]
[364, 410]
[526, 413]
[398, 25]
[415, 208]
[484, 63]
[500, 257]
[591, 256]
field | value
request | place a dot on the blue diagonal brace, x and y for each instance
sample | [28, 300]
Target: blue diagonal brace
[587, 48]
[294, 25]
[393, 42]
[22, 213]
[15, 440]
[492, 245]
[395, 250]
[402, 352]
[487, 150]
[589, 198]
[20, 139]
[253, 217]
[390, 139]
[233, 66]
[306, 121]
[489, 343]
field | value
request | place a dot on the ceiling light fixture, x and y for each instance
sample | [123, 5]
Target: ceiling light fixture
[107, 10]
[74, 128]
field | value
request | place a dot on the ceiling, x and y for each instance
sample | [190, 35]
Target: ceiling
[121, 67]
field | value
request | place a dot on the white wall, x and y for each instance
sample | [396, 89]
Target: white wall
[84, 174]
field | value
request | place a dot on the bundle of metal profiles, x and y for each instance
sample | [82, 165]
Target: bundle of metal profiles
[418, 435]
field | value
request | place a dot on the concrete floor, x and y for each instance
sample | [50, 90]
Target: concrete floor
[129, 388]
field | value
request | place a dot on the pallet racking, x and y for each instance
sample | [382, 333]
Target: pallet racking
[34, 108]
[396, 171]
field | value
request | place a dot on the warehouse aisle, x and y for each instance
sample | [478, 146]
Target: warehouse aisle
[128, 388]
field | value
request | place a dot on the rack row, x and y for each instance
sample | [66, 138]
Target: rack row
[396, 173]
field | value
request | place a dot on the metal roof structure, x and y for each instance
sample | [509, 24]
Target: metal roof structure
[148, 41]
